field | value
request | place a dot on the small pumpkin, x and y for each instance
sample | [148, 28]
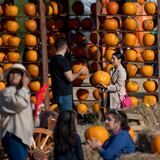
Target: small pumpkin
[2, 86]
[108, 53]
[132, 133]
[12, 26]
[108, 67]
[147, 70]
[96, 107]
[110, 39]
[5, 38]
[79, 37]
[78, 7]
[13, 56]
[14, 41]
[33, 70]
[31, 55]
[131, 70]
[98, 132]
[150, 100]
[74, 23]
[134, 101]
[30, 40]
[82, 94]
[150, 85]
[130, 55]
[96, 94]
[156, 143]
[1, 10]
[130, 39]
[150, 8]
[82, 108]
[110, 24]
[2, 57]
[148, 24]
[30, 25]
[148, 55]
[53, 107]
[29, 9]
[11, 10]
[94, 36]
[129, 8]
[86, 23]
[33, 99]
[7, 66]
[132, 86]
[112, 7]
[149, 39]
[130, 24]
[93, 51]
[34, 86]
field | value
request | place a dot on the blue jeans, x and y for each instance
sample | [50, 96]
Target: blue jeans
[64, 102]
[14, 147]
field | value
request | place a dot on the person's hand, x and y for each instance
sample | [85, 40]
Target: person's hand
[84, 70]
[94, 144]
[101, 88]
[25, 80]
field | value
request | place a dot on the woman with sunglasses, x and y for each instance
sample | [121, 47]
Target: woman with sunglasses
[67, 142]
[119, 142]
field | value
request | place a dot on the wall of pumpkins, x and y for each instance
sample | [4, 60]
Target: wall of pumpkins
[19, 40]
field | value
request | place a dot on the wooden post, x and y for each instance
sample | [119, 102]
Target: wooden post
[44, 48]
[158, 50]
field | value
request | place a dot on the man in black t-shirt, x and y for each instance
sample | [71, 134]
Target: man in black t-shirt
[62, 76]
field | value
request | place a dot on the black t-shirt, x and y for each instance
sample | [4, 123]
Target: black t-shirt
[60, 85]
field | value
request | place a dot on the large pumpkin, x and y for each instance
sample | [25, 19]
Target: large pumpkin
[30, 40]
[110, 24]
[33, 69]
[129, 8]
[150, 8]
[150, 85]
[101, 78]
[13, 56]
[29, 9]
[34, 86]
[150, 100]
[156, 143]
[134, 101]
[131, 70]
[130, 24]
[130, 55]
[82, 108]
[30, 25]
[147, 70]
[149, 39]
[11, 10]
[132, 86]
[77, 67]
[129, 39]
[112, 7]
[82, 94]
[98, 132]
[110, 39]
[148, 55]
[12, 26]
[31, 56]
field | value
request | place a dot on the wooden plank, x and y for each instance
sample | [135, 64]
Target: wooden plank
[134, 116]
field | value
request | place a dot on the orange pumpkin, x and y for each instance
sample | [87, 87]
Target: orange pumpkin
[31, 55]
[150, 8]
[5, 38]
[110, 24]
[79, 37]
[129, 8]
[82, 108]
[130, 55]
[30, 25]
[7, 66]
[53, 107]
[2, 86]
[1, 10]
[13, 56]
[82, 94]
[54, 6]
[108, 53]
[130, 24]
[49, 81]
[156, 143]
[129, 39]
[132, 133]
[110, 39]
[51, 38]
[33, 70]
[14, 41]
[94, 66]
[77, 67]
[149, 39]
[34, 86]
[2, 57]
[150, 100]
[148, 55]
[29, 9]
[94, 36]
[93, 51]
[132, 86]
[148, 25]
[96, 107]
[79, 51]
[33, 99]
[108, 67]
[1, 41]
[11, 10]
[12, 26]
[131, 70]
[134, 101]
[112, 7]
[101, 78]
[86, 23]
[30, 40]
[98, 132]
[78, 7]
[74, 23]
[96, 94]
[150, 85]
[1, 70]
[147, 70]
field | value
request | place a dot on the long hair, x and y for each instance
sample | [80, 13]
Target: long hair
[65, 132]
[120, 116]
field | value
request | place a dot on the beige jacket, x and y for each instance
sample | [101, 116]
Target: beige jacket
[16, 112]
[116, 88]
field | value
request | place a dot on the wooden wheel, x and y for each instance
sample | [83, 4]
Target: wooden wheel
[42, 143]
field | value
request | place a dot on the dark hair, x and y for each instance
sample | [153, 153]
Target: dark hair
[8, 81]
[119, 55]
[120, 116]
[64, 132]
[60, 42]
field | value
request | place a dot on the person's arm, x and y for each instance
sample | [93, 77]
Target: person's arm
[79, 150]
[119, 83]
[115, 147]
